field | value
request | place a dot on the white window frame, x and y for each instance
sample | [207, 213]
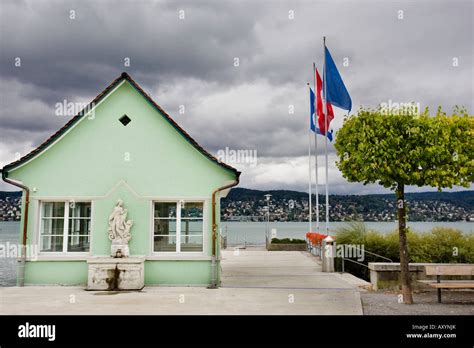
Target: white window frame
[178, 252]
[64, 252]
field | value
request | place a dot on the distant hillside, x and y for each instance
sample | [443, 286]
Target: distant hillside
[424, 206]
[10, 205]
[461, 198]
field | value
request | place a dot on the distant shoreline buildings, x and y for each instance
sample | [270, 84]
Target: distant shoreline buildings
[250, 205]
[10, 208]
[419, 211]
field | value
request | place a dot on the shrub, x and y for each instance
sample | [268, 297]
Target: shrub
[287, 241]
[440, 245]
[353, 232]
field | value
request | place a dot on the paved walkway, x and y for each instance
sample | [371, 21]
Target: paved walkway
[291, 281]
[254, 282]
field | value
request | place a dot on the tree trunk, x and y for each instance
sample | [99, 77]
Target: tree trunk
[405, 272]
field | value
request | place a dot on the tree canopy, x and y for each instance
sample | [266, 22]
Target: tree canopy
[390, 148]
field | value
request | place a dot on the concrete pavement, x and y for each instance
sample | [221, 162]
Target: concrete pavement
[299, 275]
[254, 281]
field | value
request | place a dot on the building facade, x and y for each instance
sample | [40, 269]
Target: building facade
[123, 146]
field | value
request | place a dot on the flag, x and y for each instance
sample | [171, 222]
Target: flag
[321, 118]
[312, 117]
[335, 89]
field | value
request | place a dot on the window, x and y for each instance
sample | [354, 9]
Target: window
[178, 227]
[165, 227]
[79, 227]
[191, 227]
[65, 226]
[52, 231]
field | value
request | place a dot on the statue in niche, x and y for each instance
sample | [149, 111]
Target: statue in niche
[119, 231]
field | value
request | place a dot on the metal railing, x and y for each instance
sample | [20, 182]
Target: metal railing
[314, 250]
[360, 263]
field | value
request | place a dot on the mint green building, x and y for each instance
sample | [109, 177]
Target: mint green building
[123, 146]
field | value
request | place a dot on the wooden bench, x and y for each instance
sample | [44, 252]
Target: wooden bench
[449, 270]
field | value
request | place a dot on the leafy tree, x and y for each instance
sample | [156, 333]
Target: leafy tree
[401, 147]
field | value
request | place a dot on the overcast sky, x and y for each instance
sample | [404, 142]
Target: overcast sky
[185, 53]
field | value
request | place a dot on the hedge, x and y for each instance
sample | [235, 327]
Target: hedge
[440, 245]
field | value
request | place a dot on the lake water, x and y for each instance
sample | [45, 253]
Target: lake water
[9, 233]
[238, 233]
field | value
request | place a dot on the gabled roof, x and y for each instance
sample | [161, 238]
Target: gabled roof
[80, 115]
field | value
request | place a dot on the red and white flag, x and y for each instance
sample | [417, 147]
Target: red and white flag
[319, 106]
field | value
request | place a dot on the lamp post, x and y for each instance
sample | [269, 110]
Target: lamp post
[267, 197]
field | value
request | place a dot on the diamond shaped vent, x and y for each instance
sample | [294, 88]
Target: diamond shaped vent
[124, 120]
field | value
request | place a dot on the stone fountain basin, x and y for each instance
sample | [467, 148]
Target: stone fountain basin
[108, 273]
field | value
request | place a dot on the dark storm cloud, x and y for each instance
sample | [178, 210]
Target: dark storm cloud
[81, 54]
[190, 62]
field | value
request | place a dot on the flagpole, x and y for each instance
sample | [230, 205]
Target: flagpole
[326, 131]
[316, 147]
[309, 168]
